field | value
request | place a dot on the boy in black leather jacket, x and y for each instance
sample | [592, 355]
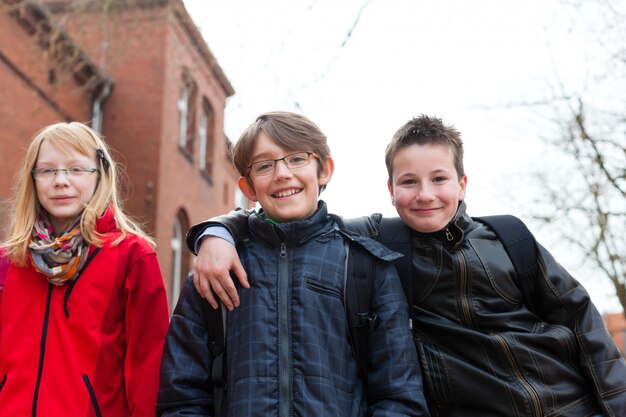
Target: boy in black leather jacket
[487, 345]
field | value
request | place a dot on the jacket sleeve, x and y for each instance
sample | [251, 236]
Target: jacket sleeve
[145, 326]
[236, 222]
[394, 381]
[560, 299]
[185, 386]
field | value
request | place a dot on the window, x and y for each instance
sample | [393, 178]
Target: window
[206, 139]
[187, 113]
[177, 254]
[180, 258]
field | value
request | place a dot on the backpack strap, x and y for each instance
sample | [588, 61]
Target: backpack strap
[215, 320]
[393, 233]
[519, 243]
[396, 235]
[358, 284]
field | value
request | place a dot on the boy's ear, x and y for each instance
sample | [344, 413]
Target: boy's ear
[247, 189]
[462, 185]
[327, 171]
[390, 188]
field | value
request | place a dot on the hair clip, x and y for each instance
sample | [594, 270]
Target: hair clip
[105, 162]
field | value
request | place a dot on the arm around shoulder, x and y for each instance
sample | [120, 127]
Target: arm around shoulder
[236, 222]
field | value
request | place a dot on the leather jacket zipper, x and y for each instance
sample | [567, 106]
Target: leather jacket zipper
[42, 349]
[464, 298]
[532, 394]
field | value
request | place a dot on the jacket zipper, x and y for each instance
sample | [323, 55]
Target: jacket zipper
[464, 298]
[284, 340]
[92, 396]
[70, 287]
[532, 394]
[42, 349]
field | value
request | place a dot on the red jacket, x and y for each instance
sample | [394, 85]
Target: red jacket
[96, 353]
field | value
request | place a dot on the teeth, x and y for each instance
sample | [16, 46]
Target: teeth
[286, 193]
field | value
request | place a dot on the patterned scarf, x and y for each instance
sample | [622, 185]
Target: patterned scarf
[58, 258]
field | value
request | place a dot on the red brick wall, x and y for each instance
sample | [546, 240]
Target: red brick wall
[29, 99]
[144, 51]
[616, 324]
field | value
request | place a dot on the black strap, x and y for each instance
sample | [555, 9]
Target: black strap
[216, 329]
[519, 244]
[70, 286]
[358, 299]
[218, 367]
[397, 236]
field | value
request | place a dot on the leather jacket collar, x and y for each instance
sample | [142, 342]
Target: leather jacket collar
[454, 232]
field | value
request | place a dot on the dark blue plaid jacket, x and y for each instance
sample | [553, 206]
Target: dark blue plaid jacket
[288, 345]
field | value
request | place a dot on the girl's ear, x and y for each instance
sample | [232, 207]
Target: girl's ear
[247, 188]
[327, 171]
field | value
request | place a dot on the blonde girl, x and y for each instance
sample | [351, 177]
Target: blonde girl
[83, 314]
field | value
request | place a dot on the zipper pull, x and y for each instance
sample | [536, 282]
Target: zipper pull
[448, 235]
[283, 250]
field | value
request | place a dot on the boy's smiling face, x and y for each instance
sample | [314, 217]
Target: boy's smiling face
[425, 187]
[287, 194]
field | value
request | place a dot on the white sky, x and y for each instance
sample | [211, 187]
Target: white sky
[464, 61]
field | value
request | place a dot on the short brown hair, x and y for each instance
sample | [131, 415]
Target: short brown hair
[426, 130]
[291, 131]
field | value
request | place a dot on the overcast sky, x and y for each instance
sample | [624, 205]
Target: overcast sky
[362, 68]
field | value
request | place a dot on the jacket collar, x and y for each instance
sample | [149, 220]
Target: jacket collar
[294, 232]
[106, 222]
[454, 232]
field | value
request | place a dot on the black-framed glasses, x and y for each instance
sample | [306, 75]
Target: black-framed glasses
[49, 173]
[292, 161]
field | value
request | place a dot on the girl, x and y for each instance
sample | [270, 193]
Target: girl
[84, 312]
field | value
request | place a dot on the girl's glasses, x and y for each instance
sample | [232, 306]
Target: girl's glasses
[49, 173]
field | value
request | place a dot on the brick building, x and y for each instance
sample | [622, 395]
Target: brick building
[616, 325]
[140, 72]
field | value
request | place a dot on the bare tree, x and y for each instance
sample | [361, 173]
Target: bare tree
[588, 210]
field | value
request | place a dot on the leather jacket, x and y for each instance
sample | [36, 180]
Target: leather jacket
[486, 352]
[488, 349]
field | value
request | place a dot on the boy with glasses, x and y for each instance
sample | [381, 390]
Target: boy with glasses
[288, 350]
[489, 344]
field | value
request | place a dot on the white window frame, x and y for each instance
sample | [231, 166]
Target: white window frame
[203, 138]
[183, 110]
[177, 258]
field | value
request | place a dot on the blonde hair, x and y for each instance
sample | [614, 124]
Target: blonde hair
[81, 138]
